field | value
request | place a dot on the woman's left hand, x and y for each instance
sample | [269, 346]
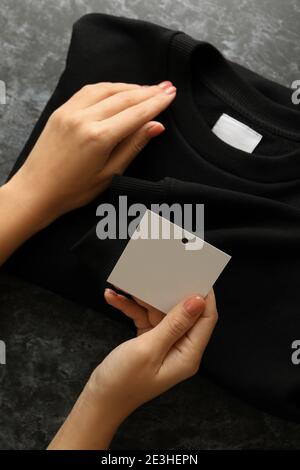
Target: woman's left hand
[91, 137]
[87, 140]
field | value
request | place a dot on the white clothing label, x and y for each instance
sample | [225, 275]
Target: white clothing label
[236, 134]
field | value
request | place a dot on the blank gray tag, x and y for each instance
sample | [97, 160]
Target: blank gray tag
[161, 271]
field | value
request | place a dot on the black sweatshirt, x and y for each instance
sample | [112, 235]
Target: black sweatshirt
[252, 200]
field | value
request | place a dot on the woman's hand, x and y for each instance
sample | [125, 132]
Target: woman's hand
[167, 350]
[94, 135]
[91, 137]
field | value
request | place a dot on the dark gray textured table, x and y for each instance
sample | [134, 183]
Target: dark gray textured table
[53, 344]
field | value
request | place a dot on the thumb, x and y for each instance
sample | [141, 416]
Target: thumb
[176, 323]
[139, 139]
[132, 145]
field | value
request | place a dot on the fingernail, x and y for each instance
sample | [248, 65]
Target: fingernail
[170, 90]
[154, 128]
[165, 84]
[194, 305]
[110, 292]
[149, 125]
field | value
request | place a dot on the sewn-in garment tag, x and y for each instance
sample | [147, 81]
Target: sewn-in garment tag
[236, 133]
[162, 271]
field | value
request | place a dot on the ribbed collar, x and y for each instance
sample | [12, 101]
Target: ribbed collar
[188, 56]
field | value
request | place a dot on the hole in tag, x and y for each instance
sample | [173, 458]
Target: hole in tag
[184, 241]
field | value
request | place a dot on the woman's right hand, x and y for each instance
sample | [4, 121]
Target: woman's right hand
[167, 350]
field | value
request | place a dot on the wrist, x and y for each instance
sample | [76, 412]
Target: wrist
[103, 399]
[27, 203]
[91, 425]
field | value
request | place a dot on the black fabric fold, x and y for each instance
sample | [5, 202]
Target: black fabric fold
[249, 350]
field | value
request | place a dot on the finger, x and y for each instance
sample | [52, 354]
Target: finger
[123, 99]
[141, 302]
[199, 335]
[183, 360]
[176, 323]
[128, 121]
[129, 307]
[155, 316]
[129, 148]
[91, 94]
